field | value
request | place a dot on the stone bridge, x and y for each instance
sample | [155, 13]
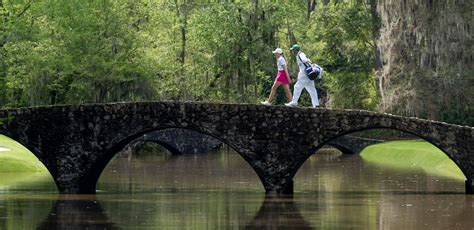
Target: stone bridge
[75, 142]
[186, 141]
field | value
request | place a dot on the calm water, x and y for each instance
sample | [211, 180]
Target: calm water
[220, 191]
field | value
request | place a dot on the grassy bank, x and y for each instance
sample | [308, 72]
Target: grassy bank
[19, 167]
[413, 154]
[16, 158]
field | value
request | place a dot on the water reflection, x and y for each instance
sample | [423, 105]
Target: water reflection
[279, 213]
[164, 172]
[77, 212]
[182, 209]
[220, 191]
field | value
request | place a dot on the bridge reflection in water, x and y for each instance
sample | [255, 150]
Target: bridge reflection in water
[81, 212]
[279, 212]
[77, 212]
[217, 191]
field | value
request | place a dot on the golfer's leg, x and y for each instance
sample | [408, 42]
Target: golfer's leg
[309, 86]
[297, 92]
[275, 86]
[288, 92]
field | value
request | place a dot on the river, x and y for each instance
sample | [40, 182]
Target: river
[220, 191]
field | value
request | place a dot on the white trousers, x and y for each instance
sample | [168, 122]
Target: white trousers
[304, 83]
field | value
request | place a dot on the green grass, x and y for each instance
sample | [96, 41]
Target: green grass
[19, 167]
[413, 154]
[18, 159]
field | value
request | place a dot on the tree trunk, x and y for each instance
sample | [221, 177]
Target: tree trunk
[291, 35]
[375, 32]
[3, 39]
[311, 7]
[182, 14]
[378, 57]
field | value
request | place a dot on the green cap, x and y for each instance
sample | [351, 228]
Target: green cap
[295, 47]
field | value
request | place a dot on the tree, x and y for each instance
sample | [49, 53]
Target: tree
[75, 52]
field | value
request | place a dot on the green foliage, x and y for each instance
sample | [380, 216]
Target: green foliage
[343, 45]
[75, 52]
[62, 51]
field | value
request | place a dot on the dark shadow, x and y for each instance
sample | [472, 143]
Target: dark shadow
[177, 141]
[70, 212]
[278, 212]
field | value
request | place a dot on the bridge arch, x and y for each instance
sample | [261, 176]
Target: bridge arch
[446, 142]
[341, 148]
[101, 164]
[349, 144]
[177, 141]
[427, 139]
[274, 140]
[167, 146]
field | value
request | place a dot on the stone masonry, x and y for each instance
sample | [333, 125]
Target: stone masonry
[185, 141]
[75, 142]
[178, 141]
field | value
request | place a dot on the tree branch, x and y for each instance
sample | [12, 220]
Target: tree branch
[27, 6]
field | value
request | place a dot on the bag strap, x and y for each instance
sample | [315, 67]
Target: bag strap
[302, 61]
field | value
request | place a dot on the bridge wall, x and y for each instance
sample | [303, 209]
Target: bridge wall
[76, 142]
[351, 144]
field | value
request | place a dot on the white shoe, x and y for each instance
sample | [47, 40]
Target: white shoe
[291, 104]
[265, 103]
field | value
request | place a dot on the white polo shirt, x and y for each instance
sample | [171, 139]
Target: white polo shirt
[281, 62]
[300, 64]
